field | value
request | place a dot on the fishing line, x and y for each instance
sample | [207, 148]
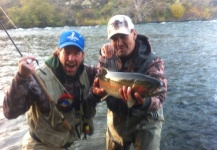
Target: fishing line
[16, 28]
[13, 40]
[31, 49]
[17, 47]
[41, 84]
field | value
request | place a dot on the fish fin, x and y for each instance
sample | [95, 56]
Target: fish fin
[103, 98]
[131, 102]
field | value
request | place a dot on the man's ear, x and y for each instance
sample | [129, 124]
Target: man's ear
[134, 34]
[58, 52]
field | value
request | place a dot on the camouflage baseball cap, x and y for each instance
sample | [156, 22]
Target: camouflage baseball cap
[119, 24]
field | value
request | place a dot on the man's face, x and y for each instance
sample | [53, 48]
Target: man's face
[124, 44]
[71, 58]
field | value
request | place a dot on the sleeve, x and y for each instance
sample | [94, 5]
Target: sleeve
[15, 103]
[91, 71]
[156, 70]
[90, 105]
[20, 96]
[91, 100]
[101, 61]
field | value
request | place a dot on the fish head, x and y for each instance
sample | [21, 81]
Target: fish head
[102, 72]
[156, 91]
[148, 89]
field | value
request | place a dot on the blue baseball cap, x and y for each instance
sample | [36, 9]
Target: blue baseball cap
[73, 38]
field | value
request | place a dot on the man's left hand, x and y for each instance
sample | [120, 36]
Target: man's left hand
[100, 92]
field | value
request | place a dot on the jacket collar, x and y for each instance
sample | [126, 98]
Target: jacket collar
[55, 65]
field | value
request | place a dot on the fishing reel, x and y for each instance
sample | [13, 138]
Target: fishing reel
[65, 103]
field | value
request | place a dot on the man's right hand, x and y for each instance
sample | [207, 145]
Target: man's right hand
[26, 66]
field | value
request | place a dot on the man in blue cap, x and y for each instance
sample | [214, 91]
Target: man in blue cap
[68, 81]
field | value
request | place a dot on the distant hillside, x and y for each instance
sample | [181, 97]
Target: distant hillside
[42, 13]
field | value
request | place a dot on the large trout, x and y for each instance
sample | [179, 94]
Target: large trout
[145, 85]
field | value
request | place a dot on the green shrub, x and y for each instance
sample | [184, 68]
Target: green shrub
[35, 13]
[177, 10]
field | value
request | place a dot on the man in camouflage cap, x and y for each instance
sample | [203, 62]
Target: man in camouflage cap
[141, 124]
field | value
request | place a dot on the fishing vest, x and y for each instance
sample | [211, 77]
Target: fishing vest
[50, 129]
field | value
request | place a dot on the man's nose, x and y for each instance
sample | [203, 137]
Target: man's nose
[120, 40]
[71, 57]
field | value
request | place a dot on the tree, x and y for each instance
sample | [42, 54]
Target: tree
[149, 10]
[35, 13]
[177, 10]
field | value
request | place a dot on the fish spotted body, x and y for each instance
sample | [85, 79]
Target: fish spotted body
[145, 85]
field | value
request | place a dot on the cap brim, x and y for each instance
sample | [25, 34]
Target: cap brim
[70, 44]
[119, 31]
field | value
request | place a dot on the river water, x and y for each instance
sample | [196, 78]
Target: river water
[189, 50]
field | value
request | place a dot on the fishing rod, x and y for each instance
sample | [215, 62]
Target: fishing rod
[41, 84]
[16, 28]
[16, 45]
[11, 39]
